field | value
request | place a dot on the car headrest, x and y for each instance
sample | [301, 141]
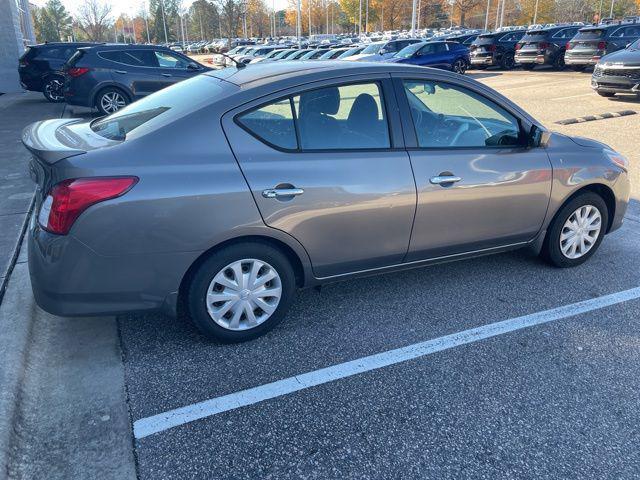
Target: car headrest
[364, 109]
[326, 100]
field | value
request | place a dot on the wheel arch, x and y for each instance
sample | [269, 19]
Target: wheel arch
[600, 189]
[101, 88]
[299, 269]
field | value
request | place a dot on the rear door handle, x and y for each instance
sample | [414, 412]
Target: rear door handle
[120, 71]
[444, 179]
[282, 192]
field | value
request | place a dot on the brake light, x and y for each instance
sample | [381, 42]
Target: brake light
[602, 45]
[543, 45]
[77, 71]
[69, 198]
[568, 46]
[518, 46]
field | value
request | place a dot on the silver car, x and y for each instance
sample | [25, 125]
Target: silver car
[229, 191]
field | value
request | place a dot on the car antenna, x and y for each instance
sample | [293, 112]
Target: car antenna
[239, 65]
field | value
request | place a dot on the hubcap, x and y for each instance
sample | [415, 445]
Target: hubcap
[54, 89]
[112, 102]
[244, 294]
[580, 232]
[459, 67]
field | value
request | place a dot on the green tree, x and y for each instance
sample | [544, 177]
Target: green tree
[59, 17]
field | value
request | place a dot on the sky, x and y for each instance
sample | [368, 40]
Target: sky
[133, 6]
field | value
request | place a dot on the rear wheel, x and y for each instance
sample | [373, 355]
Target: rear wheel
[52, 89]
[241, 292]
[577, 231]
[558, 62]
[459, 66]
[111, 100]
[508, 61]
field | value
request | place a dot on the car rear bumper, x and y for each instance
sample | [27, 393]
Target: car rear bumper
[537, 59]
[581, 59]
[487, 60]
[69, 279]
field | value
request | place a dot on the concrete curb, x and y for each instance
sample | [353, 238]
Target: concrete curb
[16, 250]
[600, 116]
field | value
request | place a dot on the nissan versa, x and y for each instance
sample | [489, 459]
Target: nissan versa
[227, 192]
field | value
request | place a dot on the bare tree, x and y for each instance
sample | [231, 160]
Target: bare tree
[465, 6]
[93, 18]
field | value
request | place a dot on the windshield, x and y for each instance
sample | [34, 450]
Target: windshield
[408, 52]
[159, 108]
[373, 48]
[589, 34]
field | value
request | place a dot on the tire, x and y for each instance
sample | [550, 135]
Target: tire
[607, 94]
[528, 66]
[52, 89]
[103, 99]
[207, 314]
[558, 62]
[552, 250]
[507, 62]
[459, 66]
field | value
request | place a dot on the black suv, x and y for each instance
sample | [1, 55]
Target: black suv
[592, 43]
[40, 68]
[495, 48]
[618, 72]
[111, 76]
[544, 46]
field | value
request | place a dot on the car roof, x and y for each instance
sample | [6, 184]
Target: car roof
[269, 72]
[124, 46]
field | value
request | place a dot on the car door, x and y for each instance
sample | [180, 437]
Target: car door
[325, 163]
[479, 186]
[173, 68]
[135, 68]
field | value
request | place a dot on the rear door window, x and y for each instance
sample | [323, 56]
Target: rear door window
[272, 124]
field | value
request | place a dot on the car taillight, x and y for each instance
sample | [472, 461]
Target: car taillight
[492, 48]
[518, 46]
[602, 45]
[77, 71]
[543, 45]
[568, 46]
[69, 198]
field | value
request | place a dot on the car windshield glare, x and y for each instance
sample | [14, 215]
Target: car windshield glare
[157, 109]
[373, 48]
[408, 52]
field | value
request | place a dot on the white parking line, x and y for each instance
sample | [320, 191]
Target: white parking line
[173, 418]
[572, 96]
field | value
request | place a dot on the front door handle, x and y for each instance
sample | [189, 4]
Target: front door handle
[444, 179]
[282, 192]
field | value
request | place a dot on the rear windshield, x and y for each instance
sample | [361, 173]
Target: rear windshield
[535, 36]
[590, 34]
[159, 108]
[485, 39]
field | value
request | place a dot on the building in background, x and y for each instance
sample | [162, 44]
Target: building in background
[16, 30]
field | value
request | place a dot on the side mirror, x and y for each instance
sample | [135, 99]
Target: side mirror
[382, 51]
[536, 137]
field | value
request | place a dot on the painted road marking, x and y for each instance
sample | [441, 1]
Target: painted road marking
[180, 416]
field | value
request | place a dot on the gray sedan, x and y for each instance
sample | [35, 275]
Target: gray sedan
[228, 192]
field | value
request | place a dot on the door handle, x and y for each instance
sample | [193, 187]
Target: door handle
[120, 71]
[165, 74]
[444, 179]
[282, 192]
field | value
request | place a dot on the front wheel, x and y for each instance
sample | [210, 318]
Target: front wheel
[52, 90]
[110, 100]
[459, 66]
[241, 292]
[577, 231]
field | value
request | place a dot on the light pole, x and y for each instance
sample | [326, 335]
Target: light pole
[498, 13]
[366, 18]
[164, 23]
[360, 19]
[611, 11]
[146, 22]
[414, 6]
[535, 13]
[502, 13]
[486, 18]
[309, 5]
[299, 25]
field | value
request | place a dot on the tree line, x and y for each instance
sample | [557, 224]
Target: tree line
[167, 21]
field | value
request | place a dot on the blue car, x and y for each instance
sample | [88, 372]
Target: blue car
[382, 51]
[446, 55]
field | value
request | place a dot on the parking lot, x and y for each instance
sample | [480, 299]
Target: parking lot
[552, 401]
[551, 392]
